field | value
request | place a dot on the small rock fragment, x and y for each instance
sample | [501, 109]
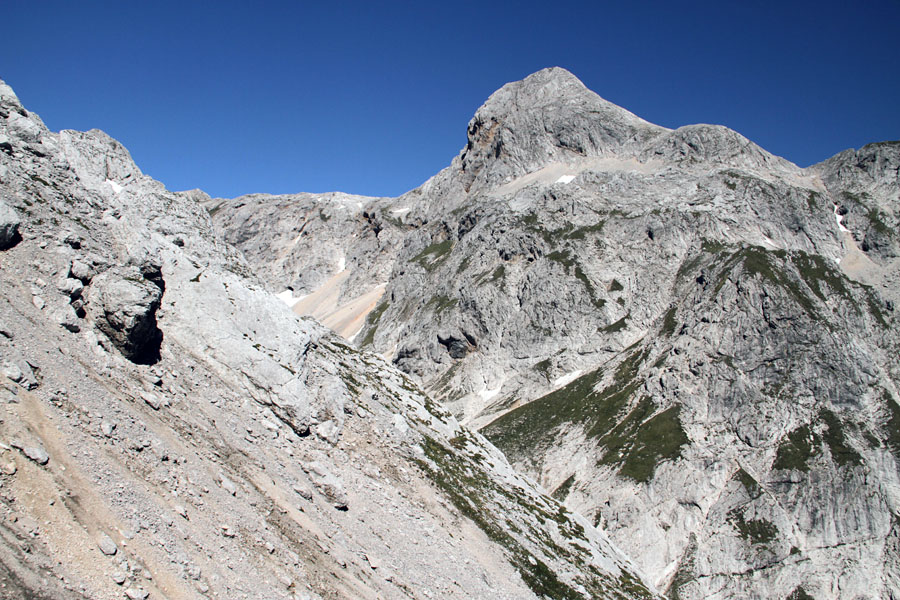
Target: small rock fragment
[81, 270]
[137, 593]
[107, 545]
[152, 400]
[107, 428]
[38, 302]
[70, 286]
[228, 485]
[37, 454]
[119, 577]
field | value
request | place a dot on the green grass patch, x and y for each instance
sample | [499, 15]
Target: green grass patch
[520, 432]
[543, 368]
[795, 450]
[562, 257]
[799, 594]
[669, 323]
[582, 232]
[441, 303]
[434, 255]
[750, 484]
[815, 271]
[892, 428]
[761, 262]
[876, 218]
[801, 445]
[477, 497]
[638, 444]
[561, 492]
[617, 326]
[812, 201]
[463, 265]
[756, 531]
[841, 452]
[372, 320]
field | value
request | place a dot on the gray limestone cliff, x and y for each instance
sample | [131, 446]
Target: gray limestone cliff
[690, 341]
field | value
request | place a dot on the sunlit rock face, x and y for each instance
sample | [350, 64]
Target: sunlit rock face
[690, 341]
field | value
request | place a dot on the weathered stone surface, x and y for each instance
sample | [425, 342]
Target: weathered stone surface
[9, 226]
[107, 545]
[123, 306]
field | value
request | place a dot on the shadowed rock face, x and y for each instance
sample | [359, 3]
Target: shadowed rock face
[691, 341]
[9, 227]
[123, 305]
[170, 429]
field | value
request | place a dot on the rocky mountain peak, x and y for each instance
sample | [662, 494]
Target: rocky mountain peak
[549, 116]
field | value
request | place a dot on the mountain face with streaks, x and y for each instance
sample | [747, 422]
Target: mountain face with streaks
[170, 429]
[691, 342]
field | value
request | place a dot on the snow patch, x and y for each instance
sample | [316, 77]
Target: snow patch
[840, 220]
[770, 243]
[487, 394]
[565, 179]
[400, 211]
[115, 186]
[288, 298]
[567, 378]
[342, 264]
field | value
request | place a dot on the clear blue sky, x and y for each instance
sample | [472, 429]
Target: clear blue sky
[373, 98]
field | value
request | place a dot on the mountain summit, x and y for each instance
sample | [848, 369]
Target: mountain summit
[549, 116]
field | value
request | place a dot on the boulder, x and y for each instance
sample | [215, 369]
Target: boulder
[123, 306]
[9, 226]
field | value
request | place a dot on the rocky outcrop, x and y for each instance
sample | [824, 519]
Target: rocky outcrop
[9, 227]
[123, 305]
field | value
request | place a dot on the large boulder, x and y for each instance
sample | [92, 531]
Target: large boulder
[9, 226]
[123, 305]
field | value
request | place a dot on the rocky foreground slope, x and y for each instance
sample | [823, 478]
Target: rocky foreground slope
[170, 429]
[692, 341]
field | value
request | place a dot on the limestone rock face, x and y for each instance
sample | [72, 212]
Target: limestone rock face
[9, 226]
[572, 122]
[123, 306]
[114, 470]
[691, 341]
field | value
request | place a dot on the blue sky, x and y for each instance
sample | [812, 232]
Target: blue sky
[373, 98]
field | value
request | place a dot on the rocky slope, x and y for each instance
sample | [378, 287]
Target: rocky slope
[692, 341]
[169, 429]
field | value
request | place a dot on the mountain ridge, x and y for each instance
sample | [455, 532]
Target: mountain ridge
[583, 303]
[168, 428]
